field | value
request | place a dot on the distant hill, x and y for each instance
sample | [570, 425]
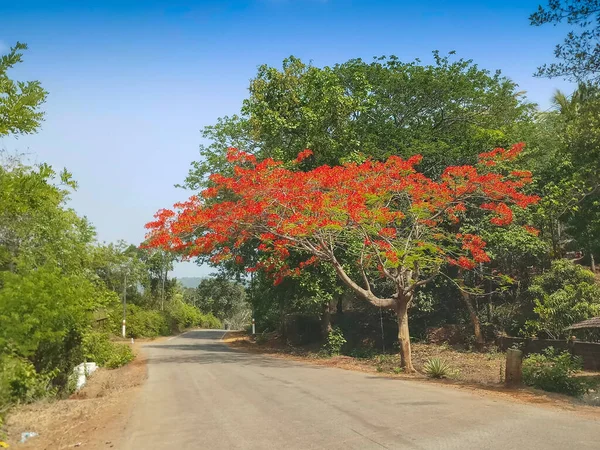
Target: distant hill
[190, 282]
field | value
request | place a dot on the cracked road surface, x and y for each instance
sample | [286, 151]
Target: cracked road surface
[201, 394]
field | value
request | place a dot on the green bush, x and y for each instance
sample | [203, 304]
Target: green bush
[183, 316]
[98, 348]
[553, 372]
[210, 321]
[148, 323]
[262, 338]
[144, 323]
[20, 383]
[564, 295]
[437, 368]
[120, 355]
[335, 341]
[362, 353]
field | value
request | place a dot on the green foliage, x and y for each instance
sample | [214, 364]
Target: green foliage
[362, 353]
[19, 101]
[43, 316]
[437, 368]
[20, 383]
[142, 322]
[579, 53]
[565, 170]
[151, 323]
[225, 300]
[35, 225]
[185, 316]
[98, 348]
[210, 321]
[553, 372]
[262, 338]
[335, 341]
[564, 295]
[449, 111]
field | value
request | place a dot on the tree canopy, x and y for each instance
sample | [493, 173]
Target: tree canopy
[19, 100]
[448, 111]
[389, 217]
[579, 53]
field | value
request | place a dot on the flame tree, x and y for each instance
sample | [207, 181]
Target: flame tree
[385, 220]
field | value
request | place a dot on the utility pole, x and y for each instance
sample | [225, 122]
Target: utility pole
[124, 302]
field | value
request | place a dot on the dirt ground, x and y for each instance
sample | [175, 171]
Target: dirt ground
[485, 368]
[92, 418]
[480, 373]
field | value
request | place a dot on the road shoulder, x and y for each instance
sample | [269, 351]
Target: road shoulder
[94, 417]
[241, 341]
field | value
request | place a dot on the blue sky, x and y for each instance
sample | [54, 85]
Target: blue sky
[132, 82]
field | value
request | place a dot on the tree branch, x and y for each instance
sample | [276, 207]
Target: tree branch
[365, 294]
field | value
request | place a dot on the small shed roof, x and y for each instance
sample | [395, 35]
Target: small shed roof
[594, 322]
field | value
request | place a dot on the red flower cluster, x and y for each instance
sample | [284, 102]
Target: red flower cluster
[504, 213]
[304, 154]
[531, 230]
[500, 154]
[396, 214]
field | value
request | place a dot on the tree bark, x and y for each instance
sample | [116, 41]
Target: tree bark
[592, 263]
[399, 304]
[404, 336]
[364, 293]
[479, 340]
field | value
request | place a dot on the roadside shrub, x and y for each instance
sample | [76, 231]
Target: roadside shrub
[184, 315]
[98, 348]
[362, 353]
[552, 371]
[210, 321]
[262, 338]
[335, 341]
[20, 383]
[144, 323]
[564, 295]
[120, 355]
[437, 368]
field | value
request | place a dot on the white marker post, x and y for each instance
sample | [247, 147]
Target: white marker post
[253, 326]
[123, 328]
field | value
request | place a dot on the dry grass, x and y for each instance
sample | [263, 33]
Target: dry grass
[486, 368]
[92, 417]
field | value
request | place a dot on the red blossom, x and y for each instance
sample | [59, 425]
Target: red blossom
[531, 230]
[377, 205]
[303, 155]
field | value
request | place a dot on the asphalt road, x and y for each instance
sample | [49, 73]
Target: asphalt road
[200, 394]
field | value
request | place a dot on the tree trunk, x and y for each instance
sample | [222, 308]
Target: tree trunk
[592, 263]
[326, 321]
[479, 340]
[404, 336]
